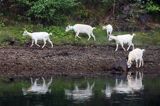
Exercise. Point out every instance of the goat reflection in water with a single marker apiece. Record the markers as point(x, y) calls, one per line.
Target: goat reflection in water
point(38, 88)
point(122, 87)
point(133, 84)
point(80, 94)
point(107, 91)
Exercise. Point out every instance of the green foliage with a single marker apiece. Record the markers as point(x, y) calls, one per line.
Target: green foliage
point(152, 7)
point(60, 12)
point(50, 11)
point(12, 88)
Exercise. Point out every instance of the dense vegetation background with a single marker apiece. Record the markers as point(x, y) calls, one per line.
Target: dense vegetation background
point(54, 15)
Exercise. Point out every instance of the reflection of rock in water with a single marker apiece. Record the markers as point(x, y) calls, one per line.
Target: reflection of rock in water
point(38, 88)
point(120, 65)
point(80, 94)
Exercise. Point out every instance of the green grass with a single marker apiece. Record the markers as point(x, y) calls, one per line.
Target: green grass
point(60, 37)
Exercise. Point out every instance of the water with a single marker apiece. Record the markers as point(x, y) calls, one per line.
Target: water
point(11, 93)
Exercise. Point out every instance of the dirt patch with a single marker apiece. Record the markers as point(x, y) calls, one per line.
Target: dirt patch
point(70, 60)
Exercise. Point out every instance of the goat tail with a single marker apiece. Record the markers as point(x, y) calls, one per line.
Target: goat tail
point(133, 34)
point(143, 50)
point(50, 33)
point(94, 27)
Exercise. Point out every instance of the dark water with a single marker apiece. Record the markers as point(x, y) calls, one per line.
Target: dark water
point(11, 94)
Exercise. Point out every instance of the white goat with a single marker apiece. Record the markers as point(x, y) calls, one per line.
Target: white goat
point(82, 28)
point(123, 39)
point(108, 28)
point(136, 55)
point(39, 36)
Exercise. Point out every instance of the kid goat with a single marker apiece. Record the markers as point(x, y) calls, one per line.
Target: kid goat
point(108, 28)
point(82, 28)
point(39, 36)
point(123, 39)
point(136, 55)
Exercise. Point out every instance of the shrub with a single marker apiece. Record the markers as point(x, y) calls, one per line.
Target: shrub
point(2, 24)
point(152, 7)
point(49, 11)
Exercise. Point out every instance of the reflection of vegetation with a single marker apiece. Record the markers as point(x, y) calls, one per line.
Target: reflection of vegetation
point(152, 85)
point(7, 88)
point(58, 85)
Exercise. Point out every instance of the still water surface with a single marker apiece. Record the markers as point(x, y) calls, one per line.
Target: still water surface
point(64, 92)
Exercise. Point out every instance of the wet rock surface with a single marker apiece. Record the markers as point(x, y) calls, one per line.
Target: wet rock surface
point(70, 60)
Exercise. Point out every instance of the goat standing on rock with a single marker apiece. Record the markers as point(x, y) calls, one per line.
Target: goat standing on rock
point(136, 55)
point(82, 28)
point(123, 39)
point(39, 36)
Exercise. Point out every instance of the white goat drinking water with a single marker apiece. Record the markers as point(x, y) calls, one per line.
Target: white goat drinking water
point(123, 39)
point(108, 28)
point(136, 55)
point(39, 36)
point(82, 28)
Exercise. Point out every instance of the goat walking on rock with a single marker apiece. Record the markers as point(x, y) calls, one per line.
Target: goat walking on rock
point(123, 39)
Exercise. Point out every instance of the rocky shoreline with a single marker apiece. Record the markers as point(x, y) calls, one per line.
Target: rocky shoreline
point(68, 60)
